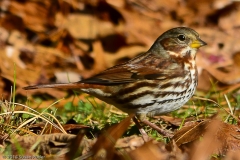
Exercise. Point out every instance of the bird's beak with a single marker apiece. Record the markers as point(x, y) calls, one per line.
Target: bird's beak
point(198, 43)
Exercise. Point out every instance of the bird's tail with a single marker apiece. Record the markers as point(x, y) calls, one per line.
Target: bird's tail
point(75, 85)
point(56, 85)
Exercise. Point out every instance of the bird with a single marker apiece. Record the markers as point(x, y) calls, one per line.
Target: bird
point(155, 82)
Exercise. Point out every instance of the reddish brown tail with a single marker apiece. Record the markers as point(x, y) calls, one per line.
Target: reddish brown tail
point(76, 85)
point(60, 85)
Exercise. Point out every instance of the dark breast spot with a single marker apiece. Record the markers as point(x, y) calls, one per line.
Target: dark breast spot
point(188, 54)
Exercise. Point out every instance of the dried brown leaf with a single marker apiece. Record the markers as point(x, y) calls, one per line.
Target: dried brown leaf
point(208, 137)
point(44, 144)
point(74, 146)
point(36, 16)
point(129, 143)
point(231, 77)
point(205, 81)
point(150, 150)
point(232, 155)
point(104, 147)
point(98, 54)
point(190, 133)
point(157, 151)
point(209, 144)
point(230, 19)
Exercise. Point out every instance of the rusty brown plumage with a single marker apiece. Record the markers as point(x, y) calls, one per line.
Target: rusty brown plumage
point(156, 82)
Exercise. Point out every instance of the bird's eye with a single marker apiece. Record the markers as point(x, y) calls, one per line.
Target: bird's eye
point(181, 37)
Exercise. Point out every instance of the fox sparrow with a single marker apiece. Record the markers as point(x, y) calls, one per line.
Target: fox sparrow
point(156, 82)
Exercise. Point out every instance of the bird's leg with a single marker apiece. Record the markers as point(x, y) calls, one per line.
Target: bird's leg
point(141, 130)
point(144, 120)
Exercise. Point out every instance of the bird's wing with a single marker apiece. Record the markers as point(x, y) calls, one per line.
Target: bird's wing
point(152, 67)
